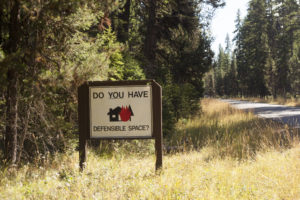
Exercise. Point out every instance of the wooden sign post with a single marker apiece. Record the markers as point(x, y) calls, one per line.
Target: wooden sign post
point(120, 110)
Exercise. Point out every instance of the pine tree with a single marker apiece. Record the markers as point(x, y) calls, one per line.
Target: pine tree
point(238, 26)
point(267, 48)
point(288, 11)
point(254, 47)
point(240, 52)
point(294, 60)
point(232, 77)
point(209, 83)
point(271, 67)
point(177, 52)
point(227, 63)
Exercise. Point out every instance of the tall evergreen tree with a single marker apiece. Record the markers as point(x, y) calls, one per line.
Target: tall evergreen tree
point(240, 52)
point(271, 64)
point(288, 23)
point(266, 49)
point(238, 26)
point(294, 59)
point(227, 63)
point(253, 54)
point(177, 53)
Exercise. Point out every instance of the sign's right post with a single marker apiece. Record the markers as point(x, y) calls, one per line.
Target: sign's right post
point(157, 123)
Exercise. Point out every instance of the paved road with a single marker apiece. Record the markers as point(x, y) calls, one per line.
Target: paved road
point(285, 114)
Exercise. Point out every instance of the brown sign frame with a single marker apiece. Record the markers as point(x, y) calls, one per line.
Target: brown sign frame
point(84, 116)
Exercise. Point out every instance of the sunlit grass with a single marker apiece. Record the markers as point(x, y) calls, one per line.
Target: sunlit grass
point(230, 132)
point(288, 101)
point(222, 166)
point(272, 175)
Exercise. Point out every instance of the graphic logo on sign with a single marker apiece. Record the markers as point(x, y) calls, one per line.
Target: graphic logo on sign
point(120, 114)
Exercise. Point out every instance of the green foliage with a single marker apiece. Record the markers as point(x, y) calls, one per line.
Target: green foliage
point(124, 67)
point(180, 101)
point(166, 39)
point(2, 70)
point(132, 69)
point(294, 64)
point(2, 56)
point(169, 112)
point(52, 47)
point(185, 51)
point(223, 82)
point(67, 49)
point(209, 84)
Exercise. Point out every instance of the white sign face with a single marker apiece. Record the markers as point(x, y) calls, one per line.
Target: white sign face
point(120, 111)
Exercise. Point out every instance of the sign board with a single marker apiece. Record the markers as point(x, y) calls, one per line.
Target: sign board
point(120, 110)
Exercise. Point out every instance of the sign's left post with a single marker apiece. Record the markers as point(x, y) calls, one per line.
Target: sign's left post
point(83, 119)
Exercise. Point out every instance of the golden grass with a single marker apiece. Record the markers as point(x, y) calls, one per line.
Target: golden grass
point(230, 132)
point(272, 175)
point(221, 169)
point(279, 100)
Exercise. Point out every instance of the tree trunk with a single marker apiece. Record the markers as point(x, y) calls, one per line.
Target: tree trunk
point(11, 134)
point(1, 21)
point(24, 134)
point(151, 38)
point(124, 17)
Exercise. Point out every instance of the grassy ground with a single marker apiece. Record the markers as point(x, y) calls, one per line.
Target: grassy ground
point(230, 132)
point(279, 100)
point(237, 157)
point(272, 175)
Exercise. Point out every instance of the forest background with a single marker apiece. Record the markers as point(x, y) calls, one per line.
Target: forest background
point(262, 60)
point(50, 47)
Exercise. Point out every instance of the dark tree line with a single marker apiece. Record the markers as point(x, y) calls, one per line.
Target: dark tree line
point(48, 48)
point(266, 57)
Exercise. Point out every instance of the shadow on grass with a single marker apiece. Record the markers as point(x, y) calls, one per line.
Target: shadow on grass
point(122, 148)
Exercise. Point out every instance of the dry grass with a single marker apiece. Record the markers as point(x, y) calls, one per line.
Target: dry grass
point(279, 100)
point(273, 175)
point(214, 171)
point(230, 132)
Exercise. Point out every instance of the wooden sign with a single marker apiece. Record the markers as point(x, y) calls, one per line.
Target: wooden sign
point(120, 110)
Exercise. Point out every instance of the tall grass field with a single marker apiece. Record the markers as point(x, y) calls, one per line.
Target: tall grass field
point(222, 153)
